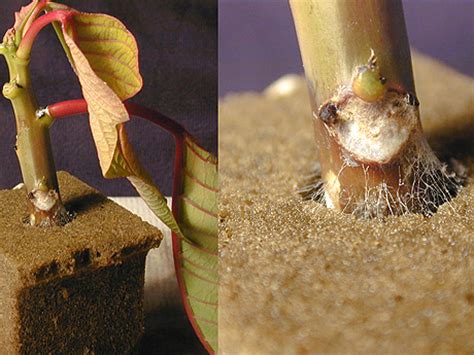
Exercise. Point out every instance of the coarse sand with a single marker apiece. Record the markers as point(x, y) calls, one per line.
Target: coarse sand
point(296, 277)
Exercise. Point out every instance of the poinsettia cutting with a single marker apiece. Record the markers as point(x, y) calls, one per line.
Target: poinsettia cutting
point(104, 56)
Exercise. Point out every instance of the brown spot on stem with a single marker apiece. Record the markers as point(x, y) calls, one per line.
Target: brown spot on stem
point(328, 113)
point(412, 99)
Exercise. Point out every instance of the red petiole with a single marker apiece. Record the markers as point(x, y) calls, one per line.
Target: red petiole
point(62, 16)
point(79, 106)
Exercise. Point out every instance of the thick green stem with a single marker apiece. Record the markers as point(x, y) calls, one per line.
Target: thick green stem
point(33, 146)
point(357, 63)
point(337, 36)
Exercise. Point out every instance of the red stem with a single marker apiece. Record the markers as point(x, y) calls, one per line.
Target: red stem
point(62, 16)
point(75, 107)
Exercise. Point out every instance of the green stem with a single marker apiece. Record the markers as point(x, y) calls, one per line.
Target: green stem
point(373, 154)
point(33, 146)
point(337, 36)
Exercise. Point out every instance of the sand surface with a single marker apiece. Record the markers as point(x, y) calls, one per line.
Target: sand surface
point(297, 277)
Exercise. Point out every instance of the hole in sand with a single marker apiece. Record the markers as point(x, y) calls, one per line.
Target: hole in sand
point(47, 271)
point(85, 203)
point(431, 189)
point(82, 258)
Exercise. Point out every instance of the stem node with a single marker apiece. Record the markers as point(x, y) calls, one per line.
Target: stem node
point(11, 90)
point(374, 158)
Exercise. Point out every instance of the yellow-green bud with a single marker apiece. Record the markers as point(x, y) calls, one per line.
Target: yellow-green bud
point(368, 84)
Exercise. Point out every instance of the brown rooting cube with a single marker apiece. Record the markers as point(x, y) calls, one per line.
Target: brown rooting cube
point(77, 288)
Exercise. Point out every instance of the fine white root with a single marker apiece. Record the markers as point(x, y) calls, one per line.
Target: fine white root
point(426, 183)
point(312, 186)
point(433, 184)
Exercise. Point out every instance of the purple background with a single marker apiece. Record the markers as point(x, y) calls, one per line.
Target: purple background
point(257, 39)
point(178, 59)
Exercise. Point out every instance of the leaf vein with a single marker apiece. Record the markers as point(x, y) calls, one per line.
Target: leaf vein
point(112, 58)
point(199, 182)
point(197, 247)
point(200, 277)
point(202, 301)
point(197, 206)
point(183, 257)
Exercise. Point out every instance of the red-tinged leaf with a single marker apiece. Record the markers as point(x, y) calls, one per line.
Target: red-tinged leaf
point(107, 78)
point(195, 207)
point(104, 83)
point(100, 47)
point(111, 51)
point(106, 110)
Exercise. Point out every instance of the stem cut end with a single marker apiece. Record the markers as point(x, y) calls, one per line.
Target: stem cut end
point(46, 209)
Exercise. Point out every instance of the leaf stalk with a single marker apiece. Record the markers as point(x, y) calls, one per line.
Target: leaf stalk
point(26, 44)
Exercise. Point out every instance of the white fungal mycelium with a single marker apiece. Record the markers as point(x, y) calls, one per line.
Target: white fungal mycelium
point(380, 135)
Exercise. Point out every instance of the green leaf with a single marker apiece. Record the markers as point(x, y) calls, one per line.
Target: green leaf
point(196, 255)
point(104, 57)
point(99, 45)
point(111, 51)
point(155, 201)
